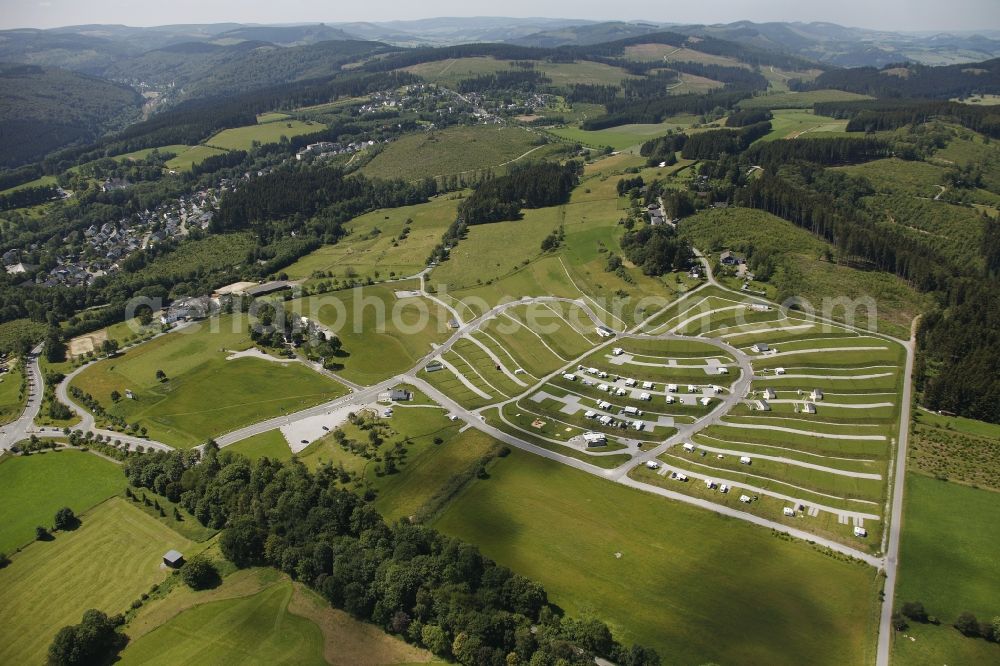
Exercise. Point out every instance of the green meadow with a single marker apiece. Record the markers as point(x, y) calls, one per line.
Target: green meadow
point(453, 150)
point(681, 580)
point(185, 160)
point(205, 394)
point(623, 136)
point(243, 138)
point(106, 563)
point(33, 488)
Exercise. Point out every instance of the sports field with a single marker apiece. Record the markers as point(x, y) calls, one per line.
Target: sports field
point(680, 582)
point(33, 488)
point(204, 394)
point(112, 558)
point(374, 244)
point(453, 150)
point(243, 138)
point(382, 335)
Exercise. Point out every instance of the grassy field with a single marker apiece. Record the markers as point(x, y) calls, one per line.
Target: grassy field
point(33, 488)
point(679, 585)
point(794, 124)
point(175, 148)
point(11, 399)
point(960, 450)
point(623, 136)
point(43, 181)
point(194, 155)
point(930, 645)
point(271, 444)
point(374, 246)
point(257, 616)
point(948, 549)
point(204, 395)
point(243, 138)
point(799, 100)
point(450, 151)
point(255, 629)
point(112, 558)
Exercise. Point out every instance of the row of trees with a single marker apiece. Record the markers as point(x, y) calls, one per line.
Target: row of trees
point(890, 114)
point(429, 589)
point(28, 196)
point(656, 250)
point(832, 151)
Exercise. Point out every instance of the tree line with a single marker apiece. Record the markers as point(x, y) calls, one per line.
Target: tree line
point(656, 250)
point(709, 145)
point(434, 591)
point(652, 111)
point(829, 151)
point(911, 80)
point(28, 196)
point(882, 115)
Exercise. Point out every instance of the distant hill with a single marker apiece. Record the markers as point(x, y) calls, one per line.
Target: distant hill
point(82, 53)
point(463, 30)
point(852, 47)
point(284, 36)
point(582, 35)
point(915, 80)
point(45, 108)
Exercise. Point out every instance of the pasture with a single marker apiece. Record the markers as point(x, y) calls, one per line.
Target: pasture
point(381, 335)
point(106, 563)
point(204, 394)
point(12, 400)
point(244, 138)
point(186, 159)
point(678, 584)
point(271, 444)
point(623, 136)
point(799, 124)
point(799, 100)
point(33, 488)
point(451, 151)
point(948, 551)
point(374, 248)
point(254, 606)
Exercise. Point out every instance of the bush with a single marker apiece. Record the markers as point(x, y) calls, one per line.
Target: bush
point(914, 610)
point(967, 624)
point(200, 573)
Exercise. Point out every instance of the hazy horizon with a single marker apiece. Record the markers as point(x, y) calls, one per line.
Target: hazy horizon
point(890, 15)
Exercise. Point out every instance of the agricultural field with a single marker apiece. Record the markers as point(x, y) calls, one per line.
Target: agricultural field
point(373, 247)
point(451, 151)
point(243, 138)
point(71, 573)
point(205, 394)
point(382, 335)
point(674, 586)
point(958, 450)
point(623, 136)
point(799, 100)
point(947, 562)
point(795, 124)
point(33, 488)
point(300, 627)
point(185, 160)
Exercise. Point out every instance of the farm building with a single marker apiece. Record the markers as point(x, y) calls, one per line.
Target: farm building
point(595, 439)
point(173, 559)
point(267, 288)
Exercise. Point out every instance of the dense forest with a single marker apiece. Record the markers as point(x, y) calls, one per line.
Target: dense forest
point(657, 250)
point(652, 111)
point(524, 186)
point(911, 80)
point(314, 201)
point(881, 115)
point(663, 149)
point(709, 145)
point(830, 151)
point(429, 589)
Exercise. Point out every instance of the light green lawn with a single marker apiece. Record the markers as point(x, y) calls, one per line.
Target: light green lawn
point(681, 582)
point(33, 488)
point(623, 136)
point(799, 100)
point(194, 155)
point(106, 563)
point(271, 444)
point(796, 124)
